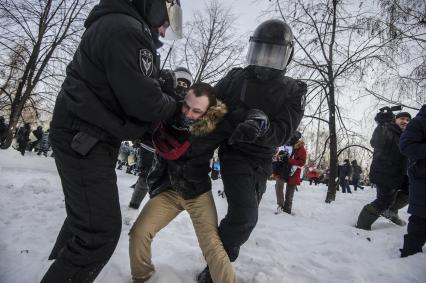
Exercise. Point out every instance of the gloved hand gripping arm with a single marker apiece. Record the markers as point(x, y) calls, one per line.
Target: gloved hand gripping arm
point(254, 126)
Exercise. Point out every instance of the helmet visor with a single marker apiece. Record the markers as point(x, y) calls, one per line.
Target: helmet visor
point(268, 55)
point(174, 12)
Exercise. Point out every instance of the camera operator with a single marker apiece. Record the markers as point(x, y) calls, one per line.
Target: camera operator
point(388, 169)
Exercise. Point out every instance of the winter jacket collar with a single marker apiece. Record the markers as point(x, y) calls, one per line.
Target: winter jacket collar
point(170, 147)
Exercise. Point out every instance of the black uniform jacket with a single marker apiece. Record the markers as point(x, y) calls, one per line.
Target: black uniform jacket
point(189, 175)
point(389, 165)
point(281, 99)
point(110, 90)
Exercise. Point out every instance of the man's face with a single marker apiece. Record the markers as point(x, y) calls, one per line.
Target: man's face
point(194, 107)
point(163, 28)
point(402, 122)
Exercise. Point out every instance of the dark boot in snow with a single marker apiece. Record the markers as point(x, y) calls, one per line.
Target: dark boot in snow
point(394, 217)
point(204, 276)
point(412, 245)
point(366, 218)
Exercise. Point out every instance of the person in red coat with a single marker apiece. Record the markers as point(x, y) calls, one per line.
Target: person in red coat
point(312, 174)
point(296, 160)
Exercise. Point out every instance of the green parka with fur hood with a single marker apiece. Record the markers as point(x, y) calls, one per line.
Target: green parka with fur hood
point(189, 175)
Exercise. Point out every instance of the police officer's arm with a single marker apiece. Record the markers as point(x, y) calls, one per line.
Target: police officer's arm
point(412, 142)
point(139, 95)
point(283, 125)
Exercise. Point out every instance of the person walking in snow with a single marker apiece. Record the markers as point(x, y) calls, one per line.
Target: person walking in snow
point(345, 172)
point(44, 144)
point(413, 145)
point(312, 174)
point(123, 154)
point(387, 171)
point(179, 180)
point(296, 160)
point(110, 94)
point(38, 134)
point(356, 175)
point(23, 137)
point(274, 106)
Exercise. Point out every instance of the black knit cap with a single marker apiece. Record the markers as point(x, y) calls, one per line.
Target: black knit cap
point(403, 114)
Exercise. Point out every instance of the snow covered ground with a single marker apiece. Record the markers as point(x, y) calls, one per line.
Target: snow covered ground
point(317, 244)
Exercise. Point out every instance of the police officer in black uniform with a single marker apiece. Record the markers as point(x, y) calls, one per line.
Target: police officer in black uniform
point(272, 107)
point(110, 94)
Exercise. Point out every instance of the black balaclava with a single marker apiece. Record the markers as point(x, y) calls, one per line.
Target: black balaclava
point(264, 73)
point(154, 12)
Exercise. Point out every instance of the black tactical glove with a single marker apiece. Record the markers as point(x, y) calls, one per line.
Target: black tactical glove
point(255, 125)
point(168, 82)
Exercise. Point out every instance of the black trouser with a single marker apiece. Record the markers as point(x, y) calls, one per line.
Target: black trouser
point(140, 190)
point(344, 184)
point(385, 197)
point(243, 193)
point(92, 227)
point(415, 237)
point(355, 183)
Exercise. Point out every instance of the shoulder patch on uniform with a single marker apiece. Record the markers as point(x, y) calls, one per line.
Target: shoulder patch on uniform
point(146, 62)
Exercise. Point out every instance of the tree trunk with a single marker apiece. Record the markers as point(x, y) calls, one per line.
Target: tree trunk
point(332, 184)
point(15, 113)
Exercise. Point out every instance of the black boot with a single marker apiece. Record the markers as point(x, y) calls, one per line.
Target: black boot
point(412, 245)
point(393, 216)
point(367, 216)
point(204, 276)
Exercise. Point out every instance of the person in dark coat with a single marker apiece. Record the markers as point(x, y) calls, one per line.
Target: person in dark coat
point(356, 175)
point(110, 94)
point(38, 133)
point(345, 172)
point(413, 145)
point(179, 180)
point(44, 144)
point(387, 171)
point(272, 106)
point(23, 137)
point(3, 130)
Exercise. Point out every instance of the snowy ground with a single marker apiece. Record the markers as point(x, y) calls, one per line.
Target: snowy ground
point(317, 244)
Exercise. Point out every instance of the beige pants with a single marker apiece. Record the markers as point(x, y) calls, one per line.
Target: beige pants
point(157, 213)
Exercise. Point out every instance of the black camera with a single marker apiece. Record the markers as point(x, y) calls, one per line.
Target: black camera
point(386, 115)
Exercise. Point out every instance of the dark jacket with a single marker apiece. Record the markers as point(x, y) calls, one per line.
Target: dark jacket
point(345, 170)
point(356, 171)
point(189, 175)
point(413, 145)
point(281, 99)
point(389, 165)
point(110, 90)
point(23, 134)
point(38, 133)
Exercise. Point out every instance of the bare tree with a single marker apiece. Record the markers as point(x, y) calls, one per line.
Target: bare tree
point(41, 34)
point(336, 47)
point(210, 47)
point(404, 78)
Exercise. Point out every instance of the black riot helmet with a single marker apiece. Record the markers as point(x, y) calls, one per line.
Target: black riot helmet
point(271, 45)
point(156, 12)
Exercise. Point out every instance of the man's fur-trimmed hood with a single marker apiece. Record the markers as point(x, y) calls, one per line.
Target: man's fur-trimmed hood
point(209, 121)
